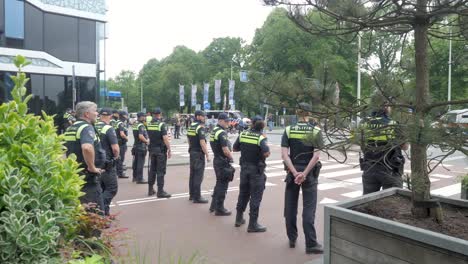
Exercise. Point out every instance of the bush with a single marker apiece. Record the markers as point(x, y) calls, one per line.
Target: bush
point(39, 188)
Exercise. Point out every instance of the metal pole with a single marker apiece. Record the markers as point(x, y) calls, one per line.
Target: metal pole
point(73, 88)
point(449, 98)
point(141, 94)
point(231, 69)
point(358, 119)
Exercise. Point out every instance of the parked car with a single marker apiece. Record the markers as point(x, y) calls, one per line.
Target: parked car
point(453, 120)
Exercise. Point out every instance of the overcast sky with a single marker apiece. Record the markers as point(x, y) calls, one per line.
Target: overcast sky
point(143, 29)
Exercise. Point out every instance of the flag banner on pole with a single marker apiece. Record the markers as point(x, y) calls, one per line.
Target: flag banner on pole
point(181, 95)
point(206, 92)
point(243, 76)
point(194, 94)
point(232, 84)
point(217, 91)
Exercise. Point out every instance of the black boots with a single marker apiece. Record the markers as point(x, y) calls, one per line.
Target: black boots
point(317, 249)
point(222, 212)
point(200, 200)
point(239, 219)
point(163, 194)
point(151, 190)
point(254, 226)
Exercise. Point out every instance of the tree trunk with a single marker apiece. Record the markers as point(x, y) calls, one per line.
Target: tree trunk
point(419, 173)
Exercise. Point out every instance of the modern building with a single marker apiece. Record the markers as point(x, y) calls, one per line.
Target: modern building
point(64, 40)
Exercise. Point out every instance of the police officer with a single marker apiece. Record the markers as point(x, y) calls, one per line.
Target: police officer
point(222, 158)
point(382, 145)
point(109, 143)
point(115, 118)
point(159, 151)
point(139, 149)
point(254, 150)
point(81, 139)
point(122, 138)
point(299, 150)
point(68, 119)
point(198, 152)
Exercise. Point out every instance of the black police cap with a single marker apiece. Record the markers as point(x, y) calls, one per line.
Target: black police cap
point(157, 111)
point(223, 116)
point(106, 111)
point(257, 118)
point(123, 113)
point(199, 113)
point(114, 111)
point(305, 107)
point(140, 114)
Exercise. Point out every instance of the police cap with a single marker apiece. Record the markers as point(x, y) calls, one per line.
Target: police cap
point(305, 107)
point(123, 113)
point(140, 114)
point(157, 111)
point(223, 116)
point(115, 111)
point(257, 118)
point(106, 111)
point(199, 113)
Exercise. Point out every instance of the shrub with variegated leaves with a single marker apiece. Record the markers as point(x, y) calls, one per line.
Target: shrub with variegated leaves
point(39, 187)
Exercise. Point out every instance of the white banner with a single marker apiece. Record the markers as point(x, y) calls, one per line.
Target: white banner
point(206, 92)
point(181, 95)
point(232, 85)
point(217, 92)
point(194, 94)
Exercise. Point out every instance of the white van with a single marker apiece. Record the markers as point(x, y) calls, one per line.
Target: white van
point(454, 119)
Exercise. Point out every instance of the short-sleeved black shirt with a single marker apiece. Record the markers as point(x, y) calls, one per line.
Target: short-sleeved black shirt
point(218, 140)
point(195, 133)
point(108, 138)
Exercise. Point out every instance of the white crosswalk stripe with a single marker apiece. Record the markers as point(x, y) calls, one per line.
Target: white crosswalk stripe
point(448, 190)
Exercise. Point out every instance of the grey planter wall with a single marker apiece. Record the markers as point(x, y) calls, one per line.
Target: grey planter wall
point(353, 238)
point(464, 193)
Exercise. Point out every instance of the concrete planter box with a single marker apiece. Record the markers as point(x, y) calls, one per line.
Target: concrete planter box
point(353, 238)
point(464, 193)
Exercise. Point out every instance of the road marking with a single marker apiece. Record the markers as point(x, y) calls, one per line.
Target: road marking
point(455, 158)
point(277, 167)
point(441, 176)
point(354, 180)
point(434, 179)
point(275, 174)
point(352, 194)
point(333, 185)
point(353, 163)
point(337, 166)
point(448, 190)
point(328, 201)
point(269, 184)
point(269, 162)
point(352, 154)
point(340, 173)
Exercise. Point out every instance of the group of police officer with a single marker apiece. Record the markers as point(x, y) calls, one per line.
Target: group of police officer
point(301, 144)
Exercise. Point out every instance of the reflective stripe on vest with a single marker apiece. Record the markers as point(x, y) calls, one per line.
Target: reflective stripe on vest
point(294, 133)
point(137, 126)
point(379, 131)
point(72, 136)
point(193, 129)
point(155, 126)
point(215, 134)
point(251, 139)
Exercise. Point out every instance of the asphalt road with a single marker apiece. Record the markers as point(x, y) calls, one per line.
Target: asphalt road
point(175, 228)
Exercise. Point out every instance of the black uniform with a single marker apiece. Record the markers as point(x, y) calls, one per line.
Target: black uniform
point(195, 133)
point(158, 153)
point(252, 145)
point(222, 167)
point(139, 151)
point(81, 132)
point(109, 177)
point(301, 153)
point(120, 127)
point(383, 160)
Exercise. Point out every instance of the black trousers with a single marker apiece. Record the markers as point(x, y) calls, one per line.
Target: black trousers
point(157, 168)
point(176, 131)
point(222, 182)
point(120, 162)
point(251, 187)
point(138, 164)
point(378, 176)
point(197, 169)
point(92, 191)
point(309, 200)
point(109, 187)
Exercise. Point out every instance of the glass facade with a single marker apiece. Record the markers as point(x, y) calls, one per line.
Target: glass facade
point(14, 19)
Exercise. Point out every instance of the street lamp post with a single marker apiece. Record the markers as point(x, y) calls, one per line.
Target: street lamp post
point(141, 94)
point(358, 119)
point(449, 97)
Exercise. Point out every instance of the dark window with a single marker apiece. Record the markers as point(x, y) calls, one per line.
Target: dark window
point(54, 93)
point(2, 22)
point(34, 28)
point(86, 89)
point(37, 92)
point(14, 19)
point(87, 41)
point(61, 36)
